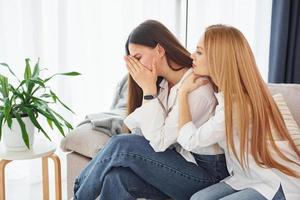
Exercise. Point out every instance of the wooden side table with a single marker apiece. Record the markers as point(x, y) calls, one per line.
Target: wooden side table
point(42, 148)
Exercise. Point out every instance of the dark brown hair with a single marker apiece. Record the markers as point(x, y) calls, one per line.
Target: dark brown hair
point(150, 33)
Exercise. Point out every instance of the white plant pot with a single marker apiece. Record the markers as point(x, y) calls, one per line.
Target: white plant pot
point(12, 138)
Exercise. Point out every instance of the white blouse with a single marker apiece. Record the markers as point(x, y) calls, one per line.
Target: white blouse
point(265, 181)
point(158, 118)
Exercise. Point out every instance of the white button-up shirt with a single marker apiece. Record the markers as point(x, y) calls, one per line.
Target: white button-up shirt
point(265, 181)
point(158, 118)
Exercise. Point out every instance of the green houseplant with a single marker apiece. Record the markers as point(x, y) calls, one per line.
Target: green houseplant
point(22, 105)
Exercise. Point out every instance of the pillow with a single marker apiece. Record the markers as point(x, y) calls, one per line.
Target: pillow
point(84, 140)
point(289, 121)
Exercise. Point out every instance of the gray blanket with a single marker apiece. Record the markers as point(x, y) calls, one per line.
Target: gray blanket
point(111, 122)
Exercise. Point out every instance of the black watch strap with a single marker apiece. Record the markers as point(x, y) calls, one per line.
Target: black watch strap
point(149, 97)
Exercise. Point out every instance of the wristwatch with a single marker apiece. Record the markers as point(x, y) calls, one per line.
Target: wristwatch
point(149, 97)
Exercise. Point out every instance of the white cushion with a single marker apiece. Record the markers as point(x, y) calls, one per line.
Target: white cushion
point(288, 119)
point(84, 140)
point(291, 94)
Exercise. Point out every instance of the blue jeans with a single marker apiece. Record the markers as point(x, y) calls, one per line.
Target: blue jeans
point(223, 191)
point(128, 168)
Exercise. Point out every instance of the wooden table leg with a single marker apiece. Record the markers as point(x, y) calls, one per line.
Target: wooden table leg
point(3, 163)
point(57, 165)
point(45, 178)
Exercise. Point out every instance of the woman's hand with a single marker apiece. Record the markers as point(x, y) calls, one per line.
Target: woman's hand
point(144, 77)
point(191, 83)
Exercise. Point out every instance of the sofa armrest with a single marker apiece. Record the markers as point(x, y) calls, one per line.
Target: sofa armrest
point(84, 140)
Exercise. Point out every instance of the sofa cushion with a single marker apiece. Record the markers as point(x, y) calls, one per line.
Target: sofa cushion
point(288, 119)
point(291, 95)
point(84, 140)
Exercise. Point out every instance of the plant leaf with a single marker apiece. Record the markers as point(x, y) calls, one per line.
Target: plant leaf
point(10, 70)
point(4, 86)
point(27, 73)
point(50, 123)
point(7, 112)
point(17, 93)
point(64, 105)
point(63, 74)
point(35, 122)
point(1, 122)
point(27, 77)
point(51, 118)
point(60, 117)
point(23, 129)
point(36, 70)
point(56, 122)
point(53, 95)
point(46, 96)
point(70, 74)
point(37, 81)
point(40, 101)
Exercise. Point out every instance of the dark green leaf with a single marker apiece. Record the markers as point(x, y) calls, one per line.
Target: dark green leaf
point(64, 74)
point(46, 96)
point(50, 118)
point(23, 129)
point(27, 76)
point(4, 86)
point(71, 74)
point(9, 121)
point(17, 93)
point(1, 122)
point(36, 70)
point(34, 121)
point(37, 81)
point(50, 123)
point(21, 84)
point(60, 117)
point(7, 110)
point(64, 105)
point(56, 122)
point(27, 73)
point(53, 95)
point(40, 101)
point(35, 90)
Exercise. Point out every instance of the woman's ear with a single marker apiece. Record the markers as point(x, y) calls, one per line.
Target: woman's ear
point(160, 50)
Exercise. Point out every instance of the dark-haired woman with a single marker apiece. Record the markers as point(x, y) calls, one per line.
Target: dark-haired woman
point(149, 163)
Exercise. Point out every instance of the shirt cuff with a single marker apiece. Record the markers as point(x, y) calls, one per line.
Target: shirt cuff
point(185, 135)
point(139, 117)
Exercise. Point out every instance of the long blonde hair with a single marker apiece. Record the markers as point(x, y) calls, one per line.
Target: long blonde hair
point(233, 68)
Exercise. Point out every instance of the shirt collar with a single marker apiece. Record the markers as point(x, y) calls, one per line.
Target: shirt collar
point(220, 97)
point(163, 84)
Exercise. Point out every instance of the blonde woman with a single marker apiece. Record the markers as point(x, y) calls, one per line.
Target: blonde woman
point(261, 157)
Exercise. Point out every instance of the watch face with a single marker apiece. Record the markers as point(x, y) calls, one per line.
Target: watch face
point(148, 97)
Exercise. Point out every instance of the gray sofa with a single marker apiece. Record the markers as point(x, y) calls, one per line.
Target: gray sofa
point(83, 143)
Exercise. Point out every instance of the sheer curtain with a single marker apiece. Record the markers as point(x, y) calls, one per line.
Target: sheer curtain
point(252, 17)
point(87, 36)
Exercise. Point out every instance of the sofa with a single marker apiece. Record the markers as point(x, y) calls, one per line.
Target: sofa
point(83, 142)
